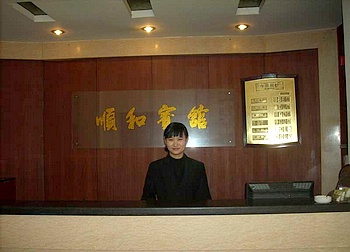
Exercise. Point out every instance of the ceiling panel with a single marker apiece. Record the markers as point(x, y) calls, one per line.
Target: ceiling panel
point(110, 19)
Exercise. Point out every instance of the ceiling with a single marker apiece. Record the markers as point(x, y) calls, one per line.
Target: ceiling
point(110, 19)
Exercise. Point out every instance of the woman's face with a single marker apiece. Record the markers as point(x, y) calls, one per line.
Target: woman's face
point(176, 146)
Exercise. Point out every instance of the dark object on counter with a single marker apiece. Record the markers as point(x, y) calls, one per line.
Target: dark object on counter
point(280, 190)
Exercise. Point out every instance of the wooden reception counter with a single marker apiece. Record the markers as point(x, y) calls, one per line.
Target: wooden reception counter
point(227, 225)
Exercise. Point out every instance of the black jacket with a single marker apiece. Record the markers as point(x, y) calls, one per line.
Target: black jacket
point(161, 183)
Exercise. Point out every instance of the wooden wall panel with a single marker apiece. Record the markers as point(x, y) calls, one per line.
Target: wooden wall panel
point(302, 162)
point(22, 126)
point(180, 72)
point(69, 174)
point(129, 73)
point(231, 168)
point(121, 171)
point(118, 174)
point(342, 93)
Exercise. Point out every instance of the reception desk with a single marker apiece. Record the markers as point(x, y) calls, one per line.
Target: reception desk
point(228, 225)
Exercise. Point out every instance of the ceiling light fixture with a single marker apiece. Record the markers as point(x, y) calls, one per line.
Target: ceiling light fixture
point(242, 27)
point(148, 28)
point(58, 32)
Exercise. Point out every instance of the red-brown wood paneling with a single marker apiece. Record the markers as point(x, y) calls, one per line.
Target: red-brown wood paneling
point(180, 72)
point(231, 167)
point(70, 174)
point(342, 93)
point(125, 73)
point(301, 162)
point(121, 171)
point(118, 174)
point(22, 126)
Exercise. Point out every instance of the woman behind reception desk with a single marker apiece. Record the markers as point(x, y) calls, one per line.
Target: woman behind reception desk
point(176, 177)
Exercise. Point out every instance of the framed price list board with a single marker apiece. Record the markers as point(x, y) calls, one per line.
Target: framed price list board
point(270, 110)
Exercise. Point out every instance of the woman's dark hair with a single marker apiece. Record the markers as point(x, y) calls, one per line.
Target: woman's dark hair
point(175, 129)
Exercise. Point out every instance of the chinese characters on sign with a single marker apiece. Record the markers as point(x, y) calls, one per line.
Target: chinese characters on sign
point(137, 118)
point(196, 118)
point(107, 120)
point(165, 115)
point(132, 119)
point(271, 116)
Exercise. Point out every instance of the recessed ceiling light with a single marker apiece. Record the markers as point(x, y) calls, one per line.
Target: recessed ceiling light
point(242, 27)
point(148, 28)
point(58, 32)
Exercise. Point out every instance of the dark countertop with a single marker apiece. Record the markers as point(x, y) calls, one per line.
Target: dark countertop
point(143, 208)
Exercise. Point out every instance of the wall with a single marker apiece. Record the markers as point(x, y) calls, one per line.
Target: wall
point(118, 174)
point(324, 41)
point(21, 149)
